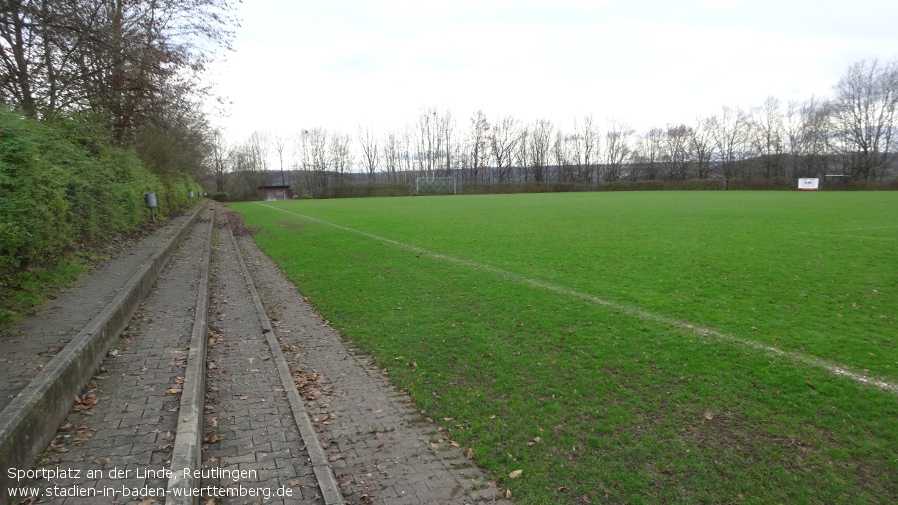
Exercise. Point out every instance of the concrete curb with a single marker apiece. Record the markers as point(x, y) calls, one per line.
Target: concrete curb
point(29, 422)
point(323, 472)
point(187, 453)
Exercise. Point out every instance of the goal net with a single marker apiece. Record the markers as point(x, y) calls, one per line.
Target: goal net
point(435, 186)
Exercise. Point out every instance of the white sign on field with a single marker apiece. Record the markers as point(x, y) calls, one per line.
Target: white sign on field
point(809, 184)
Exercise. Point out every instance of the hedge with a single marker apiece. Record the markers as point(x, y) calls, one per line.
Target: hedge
point(62, 184)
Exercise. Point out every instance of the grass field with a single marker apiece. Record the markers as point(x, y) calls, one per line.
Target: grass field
point(662, 347)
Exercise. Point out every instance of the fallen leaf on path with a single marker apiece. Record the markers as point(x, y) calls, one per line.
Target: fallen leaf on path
point(85, 402)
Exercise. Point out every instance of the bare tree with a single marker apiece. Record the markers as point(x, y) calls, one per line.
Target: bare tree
point(370, 151)
point(280, 145)
point(617, 149)
point(807, 131)
point(392, 155)
point(561, 157)
point(539, 145)
point(677, 152)
point(259, 147)
point(341, 156)
point(522, 154)
point(701, 144)
point(478, 140)
point(503, 142)
point(219, 159)
point(767, 137)
point(648, 155)
point(446, 132)
point(249, 162)
point(589, 136)
point(428, 142)
point(314, 157)
point(729, 132)
point(406, 152)
point(864, 115)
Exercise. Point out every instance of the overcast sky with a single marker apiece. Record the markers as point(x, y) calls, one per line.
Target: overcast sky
point(338, 64)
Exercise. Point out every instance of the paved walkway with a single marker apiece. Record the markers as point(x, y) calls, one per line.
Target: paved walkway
point(122, 426)
point(30, 344)
point(249, 425)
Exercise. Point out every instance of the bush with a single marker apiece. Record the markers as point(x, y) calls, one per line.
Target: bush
point(63, 184)
point(220, 196)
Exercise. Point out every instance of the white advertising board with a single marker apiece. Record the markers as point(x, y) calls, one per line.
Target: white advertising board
point(809, 184)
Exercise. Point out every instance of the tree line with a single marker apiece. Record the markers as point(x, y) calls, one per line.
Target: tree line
point(849, 133)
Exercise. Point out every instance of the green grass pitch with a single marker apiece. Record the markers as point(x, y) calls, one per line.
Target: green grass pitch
point(657, 347)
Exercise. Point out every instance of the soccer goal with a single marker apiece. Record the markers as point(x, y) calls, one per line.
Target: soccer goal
point(435, 186)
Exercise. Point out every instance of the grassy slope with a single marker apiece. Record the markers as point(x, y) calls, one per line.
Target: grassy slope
point(626, 408)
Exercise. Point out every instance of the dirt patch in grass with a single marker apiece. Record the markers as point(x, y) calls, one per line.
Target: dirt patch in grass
point(238, 227)
point(731, 432)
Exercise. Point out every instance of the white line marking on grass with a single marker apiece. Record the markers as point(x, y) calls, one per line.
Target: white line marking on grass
point(842, 235)
point(870, 228)
point(632, 311)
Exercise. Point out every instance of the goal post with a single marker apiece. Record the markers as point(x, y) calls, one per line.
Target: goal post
point(435, 186)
